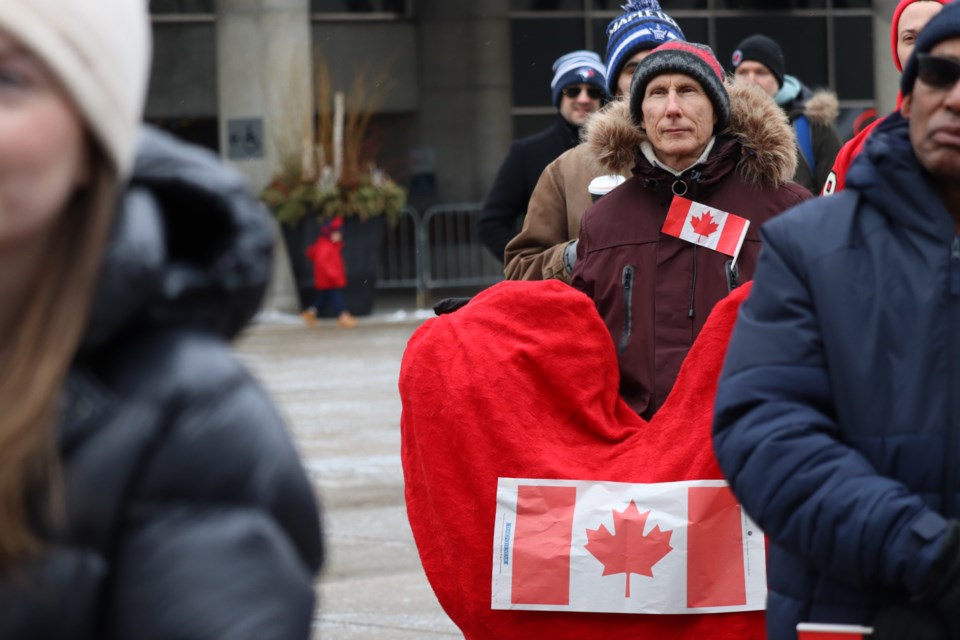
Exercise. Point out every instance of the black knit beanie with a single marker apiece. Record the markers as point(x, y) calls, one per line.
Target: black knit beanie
point(766, 51)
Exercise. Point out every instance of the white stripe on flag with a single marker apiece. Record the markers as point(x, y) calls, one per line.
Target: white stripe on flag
point(707, 219)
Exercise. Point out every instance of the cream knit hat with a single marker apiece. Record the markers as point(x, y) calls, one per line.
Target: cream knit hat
point(100, 51)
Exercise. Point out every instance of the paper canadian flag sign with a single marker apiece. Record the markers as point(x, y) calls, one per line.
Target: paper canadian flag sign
point(706, 226)
point(664, 548)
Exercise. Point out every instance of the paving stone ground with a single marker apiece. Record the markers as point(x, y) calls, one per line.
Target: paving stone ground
point(337, 389)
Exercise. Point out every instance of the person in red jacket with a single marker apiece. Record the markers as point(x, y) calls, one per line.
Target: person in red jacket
point(909, 18)
point(329, 276)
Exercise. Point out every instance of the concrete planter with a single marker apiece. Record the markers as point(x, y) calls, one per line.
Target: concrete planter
point(362, 243)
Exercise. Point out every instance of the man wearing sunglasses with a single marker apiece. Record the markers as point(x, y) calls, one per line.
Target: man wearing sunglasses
point(578, 90)
point(546, 246)
point(837, 418)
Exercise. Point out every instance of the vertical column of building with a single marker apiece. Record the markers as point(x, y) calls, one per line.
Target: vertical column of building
point(464, 63)
point(264, 88)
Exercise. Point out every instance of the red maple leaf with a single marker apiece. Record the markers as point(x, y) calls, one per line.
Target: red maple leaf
point(704, 225)
point(628, 550)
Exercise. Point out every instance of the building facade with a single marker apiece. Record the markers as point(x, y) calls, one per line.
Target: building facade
point(461, 78)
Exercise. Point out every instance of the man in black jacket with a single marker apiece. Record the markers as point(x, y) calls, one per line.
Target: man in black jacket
point(760, 60)
point(578, 88)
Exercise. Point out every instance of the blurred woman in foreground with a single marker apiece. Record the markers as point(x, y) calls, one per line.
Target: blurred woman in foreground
point(148, 488)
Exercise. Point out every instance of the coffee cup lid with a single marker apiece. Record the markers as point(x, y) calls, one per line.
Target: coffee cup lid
point(602, 185)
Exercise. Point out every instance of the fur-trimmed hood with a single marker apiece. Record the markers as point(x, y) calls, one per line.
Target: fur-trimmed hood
point(822, 108)
point(190, 247)
point(756, 122)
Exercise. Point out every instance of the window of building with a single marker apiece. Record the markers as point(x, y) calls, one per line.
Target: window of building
point(182, 6)
point(399, 7)
point(826, 43)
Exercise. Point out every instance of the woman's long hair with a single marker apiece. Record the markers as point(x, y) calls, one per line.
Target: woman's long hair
point(44, 339)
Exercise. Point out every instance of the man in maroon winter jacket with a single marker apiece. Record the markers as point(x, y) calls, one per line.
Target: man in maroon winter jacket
point(683, 132)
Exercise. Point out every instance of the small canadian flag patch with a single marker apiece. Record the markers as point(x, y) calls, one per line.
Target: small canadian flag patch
point(706, 226)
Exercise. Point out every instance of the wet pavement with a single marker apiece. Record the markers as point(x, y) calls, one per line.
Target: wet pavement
point(337, 389)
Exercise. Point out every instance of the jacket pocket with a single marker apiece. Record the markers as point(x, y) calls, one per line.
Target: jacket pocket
point(626, 281)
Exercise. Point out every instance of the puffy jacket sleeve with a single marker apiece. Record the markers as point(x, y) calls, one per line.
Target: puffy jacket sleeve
point(536, 253)
point(779, 444)
point(220, 537)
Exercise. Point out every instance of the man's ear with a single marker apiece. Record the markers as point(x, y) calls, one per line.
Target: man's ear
point(906, 105)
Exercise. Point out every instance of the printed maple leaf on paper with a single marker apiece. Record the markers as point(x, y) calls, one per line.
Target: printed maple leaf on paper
point(703, 225)
point(628, 550)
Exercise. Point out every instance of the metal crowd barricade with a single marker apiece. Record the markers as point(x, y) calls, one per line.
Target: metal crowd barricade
point(439, 249)
point(453, 253)
point(400, 258)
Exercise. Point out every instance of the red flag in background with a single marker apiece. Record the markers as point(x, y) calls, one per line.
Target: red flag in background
point(705, 226)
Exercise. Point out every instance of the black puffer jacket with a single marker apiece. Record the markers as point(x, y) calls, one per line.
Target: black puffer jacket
point(188, 513)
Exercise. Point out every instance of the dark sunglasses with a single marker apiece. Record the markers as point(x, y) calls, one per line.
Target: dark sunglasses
point(593, 92)
point(936, 72)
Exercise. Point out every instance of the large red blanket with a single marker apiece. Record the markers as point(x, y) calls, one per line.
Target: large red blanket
point(522, 382)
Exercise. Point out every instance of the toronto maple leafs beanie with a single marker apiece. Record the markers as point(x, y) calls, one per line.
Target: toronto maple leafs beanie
point(688, 58)
point(643, 26)
point(943, 26)
point(766, 51)
point(577, 67)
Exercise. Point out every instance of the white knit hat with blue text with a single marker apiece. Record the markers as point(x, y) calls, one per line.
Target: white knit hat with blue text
point(99, 50)
point(577, 67)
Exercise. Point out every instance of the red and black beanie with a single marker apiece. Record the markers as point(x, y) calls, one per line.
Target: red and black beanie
point(691, 59)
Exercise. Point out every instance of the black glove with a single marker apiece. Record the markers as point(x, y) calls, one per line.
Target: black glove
point(449, 305)
point(909, 622)
point(944, 582)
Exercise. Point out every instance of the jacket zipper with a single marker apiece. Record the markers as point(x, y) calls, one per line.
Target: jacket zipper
point(693, 282)
point(950, 455)
point(626, 280)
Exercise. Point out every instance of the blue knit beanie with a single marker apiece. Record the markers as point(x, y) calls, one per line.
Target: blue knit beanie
point(943, 26)
point(577, 67)
point(643, 26)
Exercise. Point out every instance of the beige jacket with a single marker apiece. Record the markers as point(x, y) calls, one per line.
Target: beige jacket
point(553, 217)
